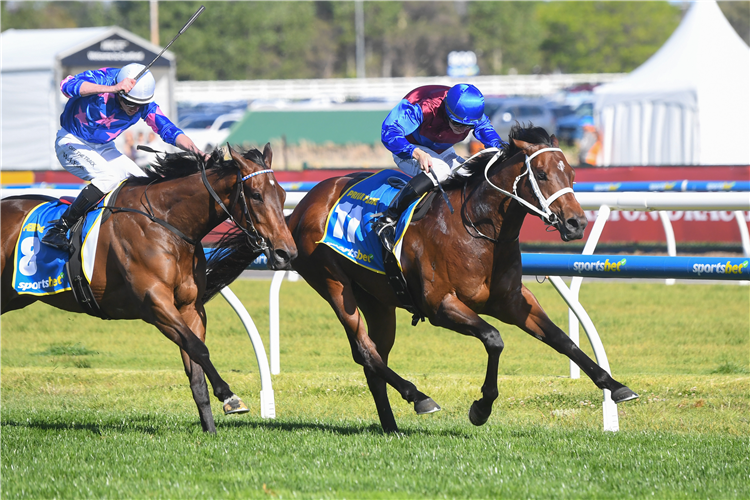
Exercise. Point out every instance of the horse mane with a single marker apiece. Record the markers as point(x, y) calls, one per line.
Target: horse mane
point(230, 257)
point(182, 164)
point(528, 133)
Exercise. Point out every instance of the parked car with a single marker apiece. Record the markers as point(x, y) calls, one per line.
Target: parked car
point(570, 128)
point(524, 111)
point(208, 132)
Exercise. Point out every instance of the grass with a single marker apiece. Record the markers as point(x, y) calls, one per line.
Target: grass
point(103, 409)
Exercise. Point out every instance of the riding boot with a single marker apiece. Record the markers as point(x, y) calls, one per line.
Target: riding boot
point(57, 235)
point(385, 225)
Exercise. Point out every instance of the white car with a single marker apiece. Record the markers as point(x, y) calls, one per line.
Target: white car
point(207, 134)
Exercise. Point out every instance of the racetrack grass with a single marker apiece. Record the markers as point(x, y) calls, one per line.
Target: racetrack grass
point(102, 409)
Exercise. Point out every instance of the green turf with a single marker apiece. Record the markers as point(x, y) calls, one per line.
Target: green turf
point(103, 409)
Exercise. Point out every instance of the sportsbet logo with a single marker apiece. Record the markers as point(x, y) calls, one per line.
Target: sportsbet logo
point(43, 284)
point(727, 268)
point(598, 266)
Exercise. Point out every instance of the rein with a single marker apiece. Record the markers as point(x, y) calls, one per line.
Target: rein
point(255, 239)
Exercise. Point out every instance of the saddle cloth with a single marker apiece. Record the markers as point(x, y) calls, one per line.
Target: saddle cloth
point(349, 224)
point(39, 269)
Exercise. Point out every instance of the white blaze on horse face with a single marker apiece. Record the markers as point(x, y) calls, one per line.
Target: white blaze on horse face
point(273, 182)
point(561, 166)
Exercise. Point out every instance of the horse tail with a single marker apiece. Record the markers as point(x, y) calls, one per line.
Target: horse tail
point(230, 257)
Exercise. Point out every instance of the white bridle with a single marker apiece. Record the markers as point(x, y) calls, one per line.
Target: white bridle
point(545, 213)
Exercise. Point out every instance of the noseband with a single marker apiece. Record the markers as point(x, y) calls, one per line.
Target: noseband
point(255, 239)
point(545, 213)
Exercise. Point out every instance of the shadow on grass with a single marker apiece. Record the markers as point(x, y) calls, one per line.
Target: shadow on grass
point(156, 425)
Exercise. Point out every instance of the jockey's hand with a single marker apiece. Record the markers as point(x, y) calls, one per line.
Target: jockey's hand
point(425, 160)
point(186, 144)
point(125, 86)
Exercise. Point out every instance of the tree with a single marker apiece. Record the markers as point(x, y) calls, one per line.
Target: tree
point(505, 36)
point(604, 37)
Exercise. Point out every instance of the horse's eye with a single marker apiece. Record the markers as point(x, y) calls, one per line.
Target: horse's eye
point(541, 175)
point(257, 196)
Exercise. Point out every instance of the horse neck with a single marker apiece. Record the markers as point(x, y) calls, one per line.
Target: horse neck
point(485, 203)
point(187, 205)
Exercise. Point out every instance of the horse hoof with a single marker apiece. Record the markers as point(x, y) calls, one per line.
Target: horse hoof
point(235, 405)
point(425, 406)
point(476, 416)
point(623, 394)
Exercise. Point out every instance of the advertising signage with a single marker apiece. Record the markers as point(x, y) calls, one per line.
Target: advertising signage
point(113, 51)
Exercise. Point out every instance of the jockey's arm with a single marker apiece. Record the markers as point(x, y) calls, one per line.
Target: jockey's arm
point(185, 143)
point(90, 88)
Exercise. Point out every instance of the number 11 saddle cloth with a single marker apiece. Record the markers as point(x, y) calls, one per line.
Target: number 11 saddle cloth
point(349, 224)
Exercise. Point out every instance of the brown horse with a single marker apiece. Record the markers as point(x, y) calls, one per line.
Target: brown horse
point(147, 270)
point(457, 266)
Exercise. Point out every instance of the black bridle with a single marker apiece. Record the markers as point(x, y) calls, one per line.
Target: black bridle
point(257, 242)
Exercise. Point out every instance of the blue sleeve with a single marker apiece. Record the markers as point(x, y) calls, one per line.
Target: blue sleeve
point(485, 133)
point(71, 86)
point(404, 119)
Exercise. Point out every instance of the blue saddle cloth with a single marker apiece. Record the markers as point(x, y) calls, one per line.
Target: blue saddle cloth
point(39, 269)
point(349, 224)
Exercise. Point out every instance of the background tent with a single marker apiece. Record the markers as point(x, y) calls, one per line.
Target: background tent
point(688, 104)
point(34, 62)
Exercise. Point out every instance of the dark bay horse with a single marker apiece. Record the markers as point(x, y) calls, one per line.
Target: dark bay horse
point(146, 270)
point(457, 266)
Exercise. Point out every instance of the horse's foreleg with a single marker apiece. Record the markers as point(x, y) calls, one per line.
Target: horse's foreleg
point(455, 315)
point(197, 323)
point(199, 388)
point(537, 323)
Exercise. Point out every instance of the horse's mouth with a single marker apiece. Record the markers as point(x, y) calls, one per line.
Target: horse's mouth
point(280, 259)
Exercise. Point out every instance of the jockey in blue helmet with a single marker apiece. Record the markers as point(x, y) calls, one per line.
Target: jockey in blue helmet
point(420, 132)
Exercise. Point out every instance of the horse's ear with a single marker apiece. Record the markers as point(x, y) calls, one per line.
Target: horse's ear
point(235, 156)
point(268, 154)
point(555, 142)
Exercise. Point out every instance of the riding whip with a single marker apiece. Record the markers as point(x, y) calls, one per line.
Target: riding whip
point(184, 28)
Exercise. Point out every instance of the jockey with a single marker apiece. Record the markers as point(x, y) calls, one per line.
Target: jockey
point(104, 103)
point(420, 132)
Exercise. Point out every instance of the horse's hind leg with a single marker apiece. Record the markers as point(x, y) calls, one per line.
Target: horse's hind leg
point(339, 294)
point(455, 315)
point(381, 325)
point(530, 317)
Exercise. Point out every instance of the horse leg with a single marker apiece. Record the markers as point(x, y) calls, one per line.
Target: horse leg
point(455, 315)
point(381, 325)
point(338, 291)
point(197, 323)
point(159, 310)
point(528, 315)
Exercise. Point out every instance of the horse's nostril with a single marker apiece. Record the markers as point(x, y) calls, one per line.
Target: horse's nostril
point(281, 256)
point(572, 223)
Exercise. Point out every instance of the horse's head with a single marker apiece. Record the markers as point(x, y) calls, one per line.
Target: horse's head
point(262, 207)
point(549, 185)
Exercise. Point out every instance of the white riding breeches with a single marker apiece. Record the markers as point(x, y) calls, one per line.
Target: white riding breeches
point(102, 164)
point(445, 165)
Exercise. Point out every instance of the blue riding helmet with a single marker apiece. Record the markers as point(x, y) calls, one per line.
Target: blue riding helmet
point(464, 104)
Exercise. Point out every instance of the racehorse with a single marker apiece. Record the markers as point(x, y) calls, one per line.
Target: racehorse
point(150, 263)
point(457, 266)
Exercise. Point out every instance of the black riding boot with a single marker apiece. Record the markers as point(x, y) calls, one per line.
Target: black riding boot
point(57, 235)
point(385, 225)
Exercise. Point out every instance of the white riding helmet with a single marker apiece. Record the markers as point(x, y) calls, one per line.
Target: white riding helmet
point(143, 92)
